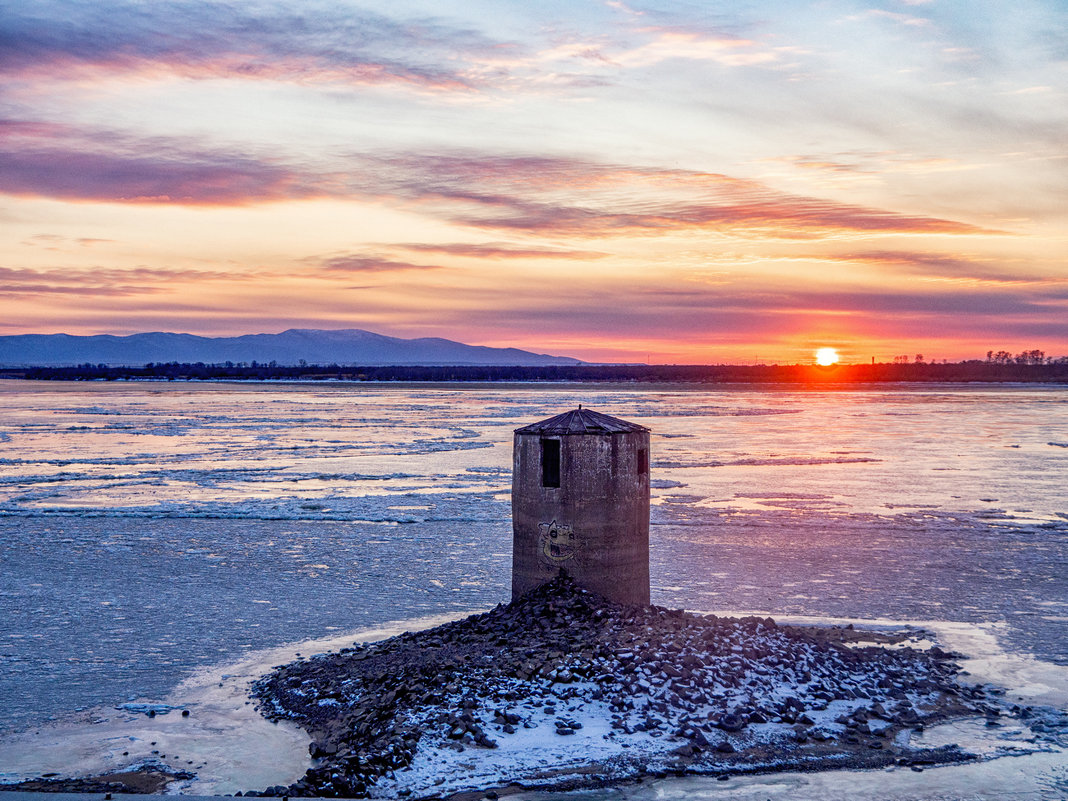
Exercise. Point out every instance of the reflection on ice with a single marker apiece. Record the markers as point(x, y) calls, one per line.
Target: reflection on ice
point(185, 445)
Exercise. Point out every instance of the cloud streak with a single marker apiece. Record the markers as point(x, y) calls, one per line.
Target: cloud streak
point(618, 317)
point(316, 42)
point(57, 161)
point(356, 263)
point(535, 195)
point(939, 266)
point(111, 282)
point(694, 311)
point(500, 251)
point(530, 195)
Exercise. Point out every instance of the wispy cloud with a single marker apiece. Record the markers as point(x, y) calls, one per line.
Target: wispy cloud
point(972, 269)
point(873, 163)
point(909, 20)
point(58, 242)
point(317, 42)
point(189, 180)
point(51, 160)
point(648, 46)
point(500, 251)
point(743, 312)
point(113, 282)
point(327, 44)
point(357, 263)
point(668, 44)
point(557, 196)
point(579, 198)
point(16, 288)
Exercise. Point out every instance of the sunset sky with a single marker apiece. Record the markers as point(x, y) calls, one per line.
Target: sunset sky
point(616, 181)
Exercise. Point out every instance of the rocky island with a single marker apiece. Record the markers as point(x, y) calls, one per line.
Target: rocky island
point(563, 689)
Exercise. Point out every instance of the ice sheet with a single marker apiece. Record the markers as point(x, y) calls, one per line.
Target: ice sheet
point(149, 530)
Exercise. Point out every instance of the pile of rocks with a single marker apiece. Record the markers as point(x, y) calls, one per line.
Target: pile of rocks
point(746, 692)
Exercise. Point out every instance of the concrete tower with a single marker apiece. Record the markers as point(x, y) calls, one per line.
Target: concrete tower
point(580, 502)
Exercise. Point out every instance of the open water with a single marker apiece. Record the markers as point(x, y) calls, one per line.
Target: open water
point(149, 529)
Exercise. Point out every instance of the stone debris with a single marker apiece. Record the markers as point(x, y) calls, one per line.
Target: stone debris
point(149, 709)
point(690, 693)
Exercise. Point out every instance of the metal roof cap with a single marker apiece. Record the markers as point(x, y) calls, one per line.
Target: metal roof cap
point(581, 421)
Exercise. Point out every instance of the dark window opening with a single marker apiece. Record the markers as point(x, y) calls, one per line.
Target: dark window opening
point(643, 461)
point(550, 463)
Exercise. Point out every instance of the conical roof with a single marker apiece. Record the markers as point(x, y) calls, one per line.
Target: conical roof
point(581, 421)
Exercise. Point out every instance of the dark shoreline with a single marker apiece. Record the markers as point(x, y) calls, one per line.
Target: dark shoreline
point(968, 372)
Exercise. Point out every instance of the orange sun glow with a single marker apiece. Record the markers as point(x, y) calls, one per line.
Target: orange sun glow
point(826, 357)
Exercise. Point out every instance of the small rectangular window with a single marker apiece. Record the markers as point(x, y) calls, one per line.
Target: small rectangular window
point(643, 461)
point(550, 463)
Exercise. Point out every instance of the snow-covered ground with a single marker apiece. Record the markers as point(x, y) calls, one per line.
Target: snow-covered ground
point(231, 747)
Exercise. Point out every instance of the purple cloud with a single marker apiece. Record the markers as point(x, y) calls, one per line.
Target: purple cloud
point(235, 40)
point(48, 160)
point(369, 264)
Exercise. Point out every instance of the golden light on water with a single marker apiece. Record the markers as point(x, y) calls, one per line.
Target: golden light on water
point(826, 357)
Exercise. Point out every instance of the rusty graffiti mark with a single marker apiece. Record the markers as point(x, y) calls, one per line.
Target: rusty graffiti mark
point(557, 542)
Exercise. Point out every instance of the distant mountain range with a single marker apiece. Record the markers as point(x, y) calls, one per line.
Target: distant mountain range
point(351, 346)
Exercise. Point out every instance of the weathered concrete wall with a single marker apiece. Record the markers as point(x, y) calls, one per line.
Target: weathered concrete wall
point(595, 525)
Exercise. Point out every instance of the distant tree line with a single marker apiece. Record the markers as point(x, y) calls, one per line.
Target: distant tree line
point(1025, 357)
point(1000, 357)
point(1030, 367)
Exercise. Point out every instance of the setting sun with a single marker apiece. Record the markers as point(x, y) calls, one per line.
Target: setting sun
point(826, 357)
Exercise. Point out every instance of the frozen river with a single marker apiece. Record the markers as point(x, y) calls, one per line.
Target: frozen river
point(147, 530)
